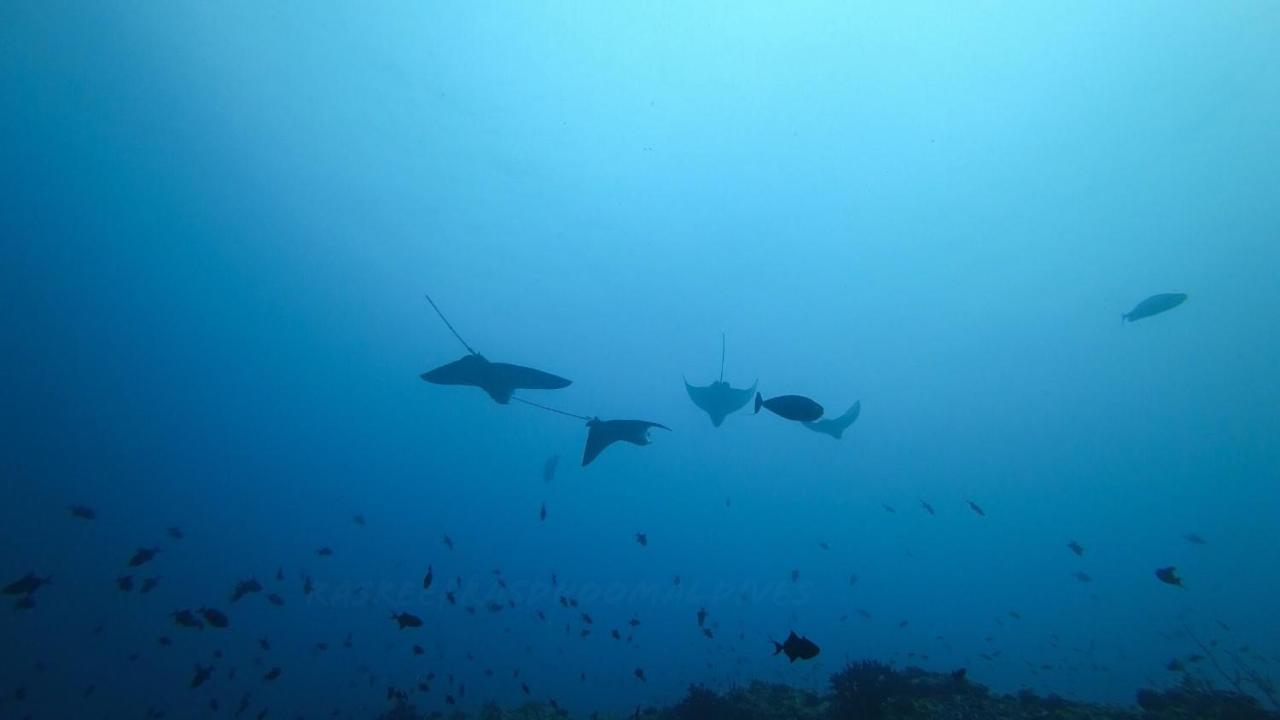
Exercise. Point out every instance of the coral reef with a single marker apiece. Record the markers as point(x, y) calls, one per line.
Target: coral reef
point(871, 690)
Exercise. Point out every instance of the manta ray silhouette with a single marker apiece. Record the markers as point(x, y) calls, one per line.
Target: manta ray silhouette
point(835, 427)
point(500, 380)
point(603, 433)
point(719, 399)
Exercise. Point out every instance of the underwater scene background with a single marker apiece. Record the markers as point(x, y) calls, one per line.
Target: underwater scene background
point(221, 219)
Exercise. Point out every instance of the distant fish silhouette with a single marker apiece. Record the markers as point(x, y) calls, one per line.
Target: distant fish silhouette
point(1154, 305)
point(549, 468)
point(835, 427)
point(719, 399)
point(1169, 576)
point(604, 433)
point(796, 648)
point(791, 407)
point(499, 380)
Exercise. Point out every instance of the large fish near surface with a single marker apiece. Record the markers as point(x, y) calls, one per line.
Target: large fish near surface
point(1154, 305)
point(791, 407)
point(497, 379)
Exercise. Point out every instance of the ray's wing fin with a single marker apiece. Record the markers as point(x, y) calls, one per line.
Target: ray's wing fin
point(520, 377)
point(464, 371)
point(599, 437)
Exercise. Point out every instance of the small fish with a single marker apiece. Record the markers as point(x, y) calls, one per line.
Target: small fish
point(702, 616)
point(325, 551)
point(796, 648)
point(616, 635)
point(824, 545)
point(448, 542)
point(1194, 539)
point(639, 673)
point(417, 650)
point(927, 507)
point(272, 674)
point(215, 618)
point(26, 585)
point(187, 619)
point(791, 407)
point(1082, 577)
point(143, 555)
point(542, 514)
point(642, 538)
point(264, 643)
point(974, 507)
point(1076, 547)
point(1154, 305)
point(358, 519)
point(710, 635)
point(549, 468)
point(201, 675)
point(125, 583)
point(1169, 576)
point(244, 587)
point(675, 580)
point(853, 579)
point(84, 512)
point(405, 620)
point(795, 576)
point(427, 579)
point(280, 573)
point(148, 584)
point(307, 586)
point(889, 509)
point(275, 599)
point(1175, 665)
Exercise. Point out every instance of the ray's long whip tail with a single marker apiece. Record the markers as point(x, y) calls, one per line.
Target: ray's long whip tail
point(450, 326)
point(548, 408)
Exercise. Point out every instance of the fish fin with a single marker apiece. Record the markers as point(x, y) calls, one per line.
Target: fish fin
point(759, 402)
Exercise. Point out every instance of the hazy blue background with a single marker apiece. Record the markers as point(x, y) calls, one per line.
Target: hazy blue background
point(218, 221)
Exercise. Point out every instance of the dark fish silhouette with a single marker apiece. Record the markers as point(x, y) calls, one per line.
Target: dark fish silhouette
point(448, 541)
point(1082, 577)
point(325, 551)
point(639, 673)
point(272, 674)
point(792, 407)
point(142, 556)
point(642, 538)
point(83, 512)
point(1169, 576)
point(26, 585)
point(201, 674)
point(244, 587)
point(927, 507)
point(187, 619)
point(796, 648)
point(1076, 547)
point(974, 507)
point(497, 379)
point(215, 618)
point(1194, 539)
point(405, 620)
point(125, 583)
point(1154, 305)
point(542, 513)
point(426, 579)
point(148, 585)
point(175, 532)
point(357, 519)
point(835, 427)
point(549, 468)
point(603, 433)
point(275, 599)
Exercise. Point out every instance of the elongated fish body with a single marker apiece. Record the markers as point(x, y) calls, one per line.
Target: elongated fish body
point(1155, 305)
point(791, 407)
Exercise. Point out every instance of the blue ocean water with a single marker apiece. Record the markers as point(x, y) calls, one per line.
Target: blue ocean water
point(220, 221)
